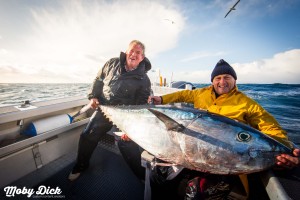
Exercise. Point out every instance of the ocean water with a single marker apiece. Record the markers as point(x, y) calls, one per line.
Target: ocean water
point(15, 93)
point(281, 100)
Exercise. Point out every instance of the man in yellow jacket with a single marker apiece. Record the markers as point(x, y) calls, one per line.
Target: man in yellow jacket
point(223, 97)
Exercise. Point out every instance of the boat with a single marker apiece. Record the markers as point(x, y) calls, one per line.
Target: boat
point(37, 165)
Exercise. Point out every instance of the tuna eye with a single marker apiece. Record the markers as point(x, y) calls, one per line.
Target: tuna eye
point(243, 137)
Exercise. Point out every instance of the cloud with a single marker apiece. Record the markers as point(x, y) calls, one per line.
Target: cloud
point(198, 55)
point(71, 41)
point(281, 68)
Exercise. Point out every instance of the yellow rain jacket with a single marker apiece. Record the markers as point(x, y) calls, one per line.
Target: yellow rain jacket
point(235, 105)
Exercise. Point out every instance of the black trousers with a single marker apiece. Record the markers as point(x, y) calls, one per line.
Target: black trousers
point(194, 185)
point(131, 153)
point(97, 127)
point(89, 138)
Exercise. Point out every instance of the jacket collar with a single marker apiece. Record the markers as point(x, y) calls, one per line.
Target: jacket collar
point(145, 63)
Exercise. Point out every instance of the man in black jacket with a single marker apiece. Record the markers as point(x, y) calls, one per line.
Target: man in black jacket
point(121, 81)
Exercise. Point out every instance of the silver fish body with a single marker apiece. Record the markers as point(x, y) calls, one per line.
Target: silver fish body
point(196, 139)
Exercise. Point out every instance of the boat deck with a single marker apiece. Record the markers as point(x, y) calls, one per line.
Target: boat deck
point(108, 177)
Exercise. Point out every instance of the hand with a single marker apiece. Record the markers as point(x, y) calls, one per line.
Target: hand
point(125, 137)
point(94, 103)
point(156, 100)
point(289, 161)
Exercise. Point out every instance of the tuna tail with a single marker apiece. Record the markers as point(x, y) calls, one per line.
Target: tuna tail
point(170, 123)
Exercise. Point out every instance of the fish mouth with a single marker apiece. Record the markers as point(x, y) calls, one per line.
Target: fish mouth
point(262, 153)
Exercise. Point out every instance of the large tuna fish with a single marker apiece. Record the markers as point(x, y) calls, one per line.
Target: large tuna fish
point(196, 139)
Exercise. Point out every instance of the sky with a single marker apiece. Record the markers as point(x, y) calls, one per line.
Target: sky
point(68, 41)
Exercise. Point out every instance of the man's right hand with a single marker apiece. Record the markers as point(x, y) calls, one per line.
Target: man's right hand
point(124, 137)
point(94, 103)
point(156, 100)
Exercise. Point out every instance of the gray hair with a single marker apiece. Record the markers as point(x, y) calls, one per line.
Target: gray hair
point(134, 42)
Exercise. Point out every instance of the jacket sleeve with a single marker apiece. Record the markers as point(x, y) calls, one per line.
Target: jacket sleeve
point(260, 119)
point(186, 96)
point(144, 92)
point(97, 87)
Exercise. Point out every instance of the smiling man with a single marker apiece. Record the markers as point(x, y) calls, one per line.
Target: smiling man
point(223, 78)
point(223, 97)
point(121, 81)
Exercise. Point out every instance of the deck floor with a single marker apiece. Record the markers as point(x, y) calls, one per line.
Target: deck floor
point(107, 178)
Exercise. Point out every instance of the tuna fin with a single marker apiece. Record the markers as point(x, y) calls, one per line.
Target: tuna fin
point(170, 123)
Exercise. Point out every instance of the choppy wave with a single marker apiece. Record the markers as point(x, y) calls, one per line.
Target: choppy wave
point(12, 94)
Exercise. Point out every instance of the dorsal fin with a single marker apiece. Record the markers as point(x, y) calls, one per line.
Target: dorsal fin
point(170, 123)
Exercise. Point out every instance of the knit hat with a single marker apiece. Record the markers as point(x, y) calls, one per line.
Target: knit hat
point(222, 67)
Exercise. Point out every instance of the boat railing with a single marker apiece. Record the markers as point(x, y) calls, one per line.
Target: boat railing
point(21, 154)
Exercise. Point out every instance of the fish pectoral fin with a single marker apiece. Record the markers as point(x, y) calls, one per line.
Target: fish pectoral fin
point(170, 123)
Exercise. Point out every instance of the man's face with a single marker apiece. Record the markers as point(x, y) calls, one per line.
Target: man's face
point(223, 83)
point(134, 55)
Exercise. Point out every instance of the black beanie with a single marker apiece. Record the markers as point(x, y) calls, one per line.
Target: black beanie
point(222, 67)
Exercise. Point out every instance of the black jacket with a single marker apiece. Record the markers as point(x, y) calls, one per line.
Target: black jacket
point(114, 86)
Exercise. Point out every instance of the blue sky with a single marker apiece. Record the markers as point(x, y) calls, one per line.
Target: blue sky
point(57, 41)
